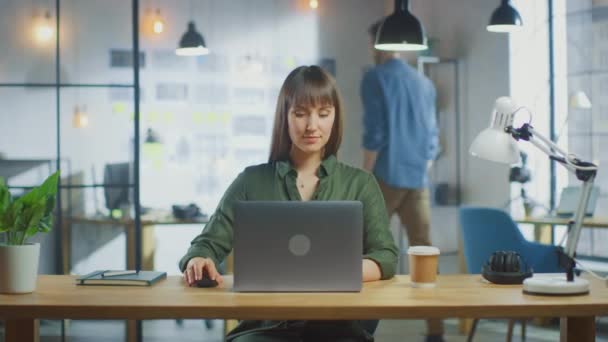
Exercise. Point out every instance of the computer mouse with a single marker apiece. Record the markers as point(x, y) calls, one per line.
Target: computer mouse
point(205, 281)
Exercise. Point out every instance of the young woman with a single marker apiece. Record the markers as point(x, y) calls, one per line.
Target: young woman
point(302, 166)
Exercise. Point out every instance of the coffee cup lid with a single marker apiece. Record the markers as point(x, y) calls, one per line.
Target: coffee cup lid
point(423, 250)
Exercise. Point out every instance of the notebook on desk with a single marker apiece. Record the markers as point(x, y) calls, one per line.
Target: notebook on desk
point(119, 278)
point(569, 199)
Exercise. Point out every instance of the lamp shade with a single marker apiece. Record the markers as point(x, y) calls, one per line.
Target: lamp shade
point(152, 137)
point(495, 143)
point(579, 100)
point(192, 43)
point(505, 18)
point(401, 31)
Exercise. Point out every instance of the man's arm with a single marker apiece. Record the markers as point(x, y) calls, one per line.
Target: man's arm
point(433, 129)
point(369, 159)
point(374, 121)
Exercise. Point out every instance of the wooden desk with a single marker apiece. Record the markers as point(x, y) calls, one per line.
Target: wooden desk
point(147, 236)
point(542, 225)
point(13, 167)
point(57, 297)
point(542, 233)
point(591, 222)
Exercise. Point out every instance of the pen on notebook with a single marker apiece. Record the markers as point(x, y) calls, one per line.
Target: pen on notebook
point(117, 273)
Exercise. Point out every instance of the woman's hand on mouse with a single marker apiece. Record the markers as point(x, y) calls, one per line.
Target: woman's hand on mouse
point(195, 268)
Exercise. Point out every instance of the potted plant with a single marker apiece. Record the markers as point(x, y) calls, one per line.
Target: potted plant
point(20, 219)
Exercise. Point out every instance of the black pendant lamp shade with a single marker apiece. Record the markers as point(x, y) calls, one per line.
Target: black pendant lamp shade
point(192, 43)
point(401, 31)
point(505, 18)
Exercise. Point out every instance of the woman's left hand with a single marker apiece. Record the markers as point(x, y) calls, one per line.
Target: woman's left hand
point(371, 270)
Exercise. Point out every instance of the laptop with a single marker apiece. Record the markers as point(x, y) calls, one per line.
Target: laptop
point(294, 246)
point(569, 199)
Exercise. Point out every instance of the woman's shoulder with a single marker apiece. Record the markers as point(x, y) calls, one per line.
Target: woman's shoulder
point(254, 176)
point(357, 183)
point(258, 169)
point(346, 170)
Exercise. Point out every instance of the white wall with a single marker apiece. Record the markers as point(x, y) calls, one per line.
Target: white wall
point(530, 88)
point(460, 26)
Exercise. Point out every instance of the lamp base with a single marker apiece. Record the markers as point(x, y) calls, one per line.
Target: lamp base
point(556, 285)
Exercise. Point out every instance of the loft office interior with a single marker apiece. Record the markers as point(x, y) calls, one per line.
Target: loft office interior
point(69, 102)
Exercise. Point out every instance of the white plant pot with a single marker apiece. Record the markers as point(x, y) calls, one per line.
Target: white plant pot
point(19, 268)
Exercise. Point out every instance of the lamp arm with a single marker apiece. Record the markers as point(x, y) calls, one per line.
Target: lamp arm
point(554, 152)
point(579, 215)
point(548, 142)
point(584, 172)
point(560, 158)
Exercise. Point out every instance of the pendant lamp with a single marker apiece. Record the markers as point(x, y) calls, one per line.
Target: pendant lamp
point(192, 43)
point(505, 18)
point(401, 31)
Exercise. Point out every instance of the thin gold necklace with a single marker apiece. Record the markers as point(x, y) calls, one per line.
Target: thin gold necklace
point(300, 183)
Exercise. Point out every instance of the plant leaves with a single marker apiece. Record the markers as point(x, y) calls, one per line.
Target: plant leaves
point(5, 196)
point(47, 188)
point(45, 224)
point(16, 216)
point(29, 214)
point(34, 214)
point(5, 201)
point(30, 231)
point(50, 205)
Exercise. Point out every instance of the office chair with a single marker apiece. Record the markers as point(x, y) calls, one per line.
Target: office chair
point(486, 230)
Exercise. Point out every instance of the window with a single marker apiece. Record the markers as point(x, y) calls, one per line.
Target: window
point(581, 39)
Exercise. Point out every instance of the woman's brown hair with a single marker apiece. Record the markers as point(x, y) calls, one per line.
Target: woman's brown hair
point(305, 86)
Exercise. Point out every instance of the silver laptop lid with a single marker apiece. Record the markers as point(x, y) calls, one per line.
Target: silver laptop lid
point(287, 246)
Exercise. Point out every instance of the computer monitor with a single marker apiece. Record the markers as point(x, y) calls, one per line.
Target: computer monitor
point(117, 185)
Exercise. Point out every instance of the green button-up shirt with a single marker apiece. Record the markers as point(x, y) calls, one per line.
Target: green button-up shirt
point(277, 182)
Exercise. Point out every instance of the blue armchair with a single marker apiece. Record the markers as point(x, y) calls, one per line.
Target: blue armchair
point(486, 230)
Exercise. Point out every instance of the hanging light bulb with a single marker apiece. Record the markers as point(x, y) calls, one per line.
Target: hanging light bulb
point(158, 24)
point(80, 118)
point(43, 31)
point(314, 4)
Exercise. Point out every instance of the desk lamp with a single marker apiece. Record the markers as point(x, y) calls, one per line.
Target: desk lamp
point(498, 143)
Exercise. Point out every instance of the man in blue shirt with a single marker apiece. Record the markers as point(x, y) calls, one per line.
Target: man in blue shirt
point(399, 143)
